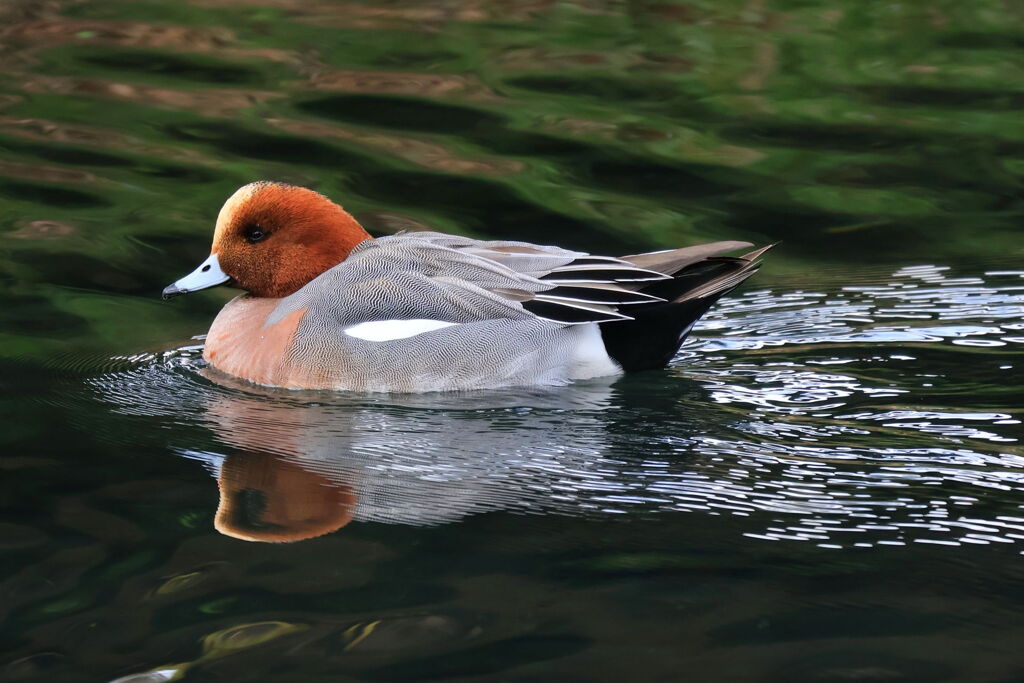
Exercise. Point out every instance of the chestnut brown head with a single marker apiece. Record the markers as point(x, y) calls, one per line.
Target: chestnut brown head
point(271, 239)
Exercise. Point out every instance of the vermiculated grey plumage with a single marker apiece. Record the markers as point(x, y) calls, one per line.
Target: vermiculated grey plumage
point(521, 313)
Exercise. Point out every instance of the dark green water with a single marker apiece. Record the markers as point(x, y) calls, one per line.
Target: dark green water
point(827, 485)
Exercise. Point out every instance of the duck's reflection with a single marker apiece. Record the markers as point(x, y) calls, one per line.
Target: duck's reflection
point(296, 468)
point(296, 465)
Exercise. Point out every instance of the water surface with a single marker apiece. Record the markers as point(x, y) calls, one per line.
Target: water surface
point(826, 485)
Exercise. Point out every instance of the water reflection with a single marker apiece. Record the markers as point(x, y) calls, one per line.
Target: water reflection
point(301, 469)
point(821, 446)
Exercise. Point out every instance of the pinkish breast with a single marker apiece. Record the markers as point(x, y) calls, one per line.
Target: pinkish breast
point(240, 343)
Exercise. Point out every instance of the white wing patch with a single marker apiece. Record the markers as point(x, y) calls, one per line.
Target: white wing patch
point(387, 330)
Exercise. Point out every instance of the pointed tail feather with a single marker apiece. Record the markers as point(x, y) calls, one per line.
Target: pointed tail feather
point(671, 261)
point(657, 330)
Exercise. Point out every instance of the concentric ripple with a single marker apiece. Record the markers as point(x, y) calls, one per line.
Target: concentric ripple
point(843, 442)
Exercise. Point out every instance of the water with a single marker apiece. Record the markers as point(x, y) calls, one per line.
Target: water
point(826, 485)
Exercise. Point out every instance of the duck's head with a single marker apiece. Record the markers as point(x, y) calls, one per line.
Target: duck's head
point(271, 239)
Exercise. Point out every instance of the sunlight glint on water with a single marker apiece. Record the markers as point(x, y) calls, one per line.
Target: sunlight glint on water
point(816, 447)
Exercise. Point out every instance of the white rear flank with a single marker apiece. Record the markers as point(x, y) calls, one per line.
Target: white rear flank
point(592, 359)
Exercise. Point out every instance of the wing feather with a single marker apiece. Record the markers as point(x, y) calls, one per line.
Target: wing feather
point(427, 275)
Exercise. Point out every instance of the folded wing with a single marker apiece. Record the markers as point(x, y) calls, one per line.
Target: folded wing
point(434, 276)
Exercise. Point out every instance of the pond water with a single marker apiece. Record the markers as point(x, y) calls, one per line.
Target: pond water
point(826, 485)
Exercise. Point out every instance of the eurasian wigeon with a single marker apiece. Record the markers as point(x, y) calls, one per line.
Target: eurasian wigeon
point(327, 306)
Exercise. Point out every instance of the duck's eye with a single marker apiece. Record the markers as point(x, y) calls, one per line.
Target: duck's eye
point(254, 234)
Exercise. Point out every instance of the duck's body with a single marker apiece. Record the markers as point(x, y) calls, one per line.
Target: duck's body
point(432, 312)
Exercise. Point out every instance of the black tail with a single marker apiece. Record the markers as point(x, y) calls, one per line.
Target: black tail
point(653, 336)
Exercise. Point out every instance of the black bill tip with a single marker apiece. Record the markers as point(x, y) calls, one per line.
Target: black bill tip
point(171, 291)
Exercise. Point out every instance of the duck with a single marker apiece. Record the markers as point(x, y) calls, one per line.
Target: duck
point(326, 306)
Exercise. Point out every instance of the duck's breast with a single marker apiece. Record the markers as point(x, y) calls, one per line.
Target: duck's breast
point(247, 342)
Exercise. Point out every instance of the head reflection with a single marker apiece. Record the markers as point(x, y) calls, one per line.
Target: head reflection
point(265, 497)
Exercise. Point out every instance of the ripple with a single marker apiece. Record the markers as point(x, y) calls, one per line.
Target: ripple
point(858, 449)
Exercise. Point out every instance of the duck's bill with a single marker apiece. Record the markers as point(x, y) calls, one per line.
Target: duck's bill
point(208, 274)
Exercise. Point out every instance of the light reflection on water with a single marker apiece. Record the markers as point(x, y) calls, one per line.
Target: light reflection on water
point(845, 405)
point(821, 447)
